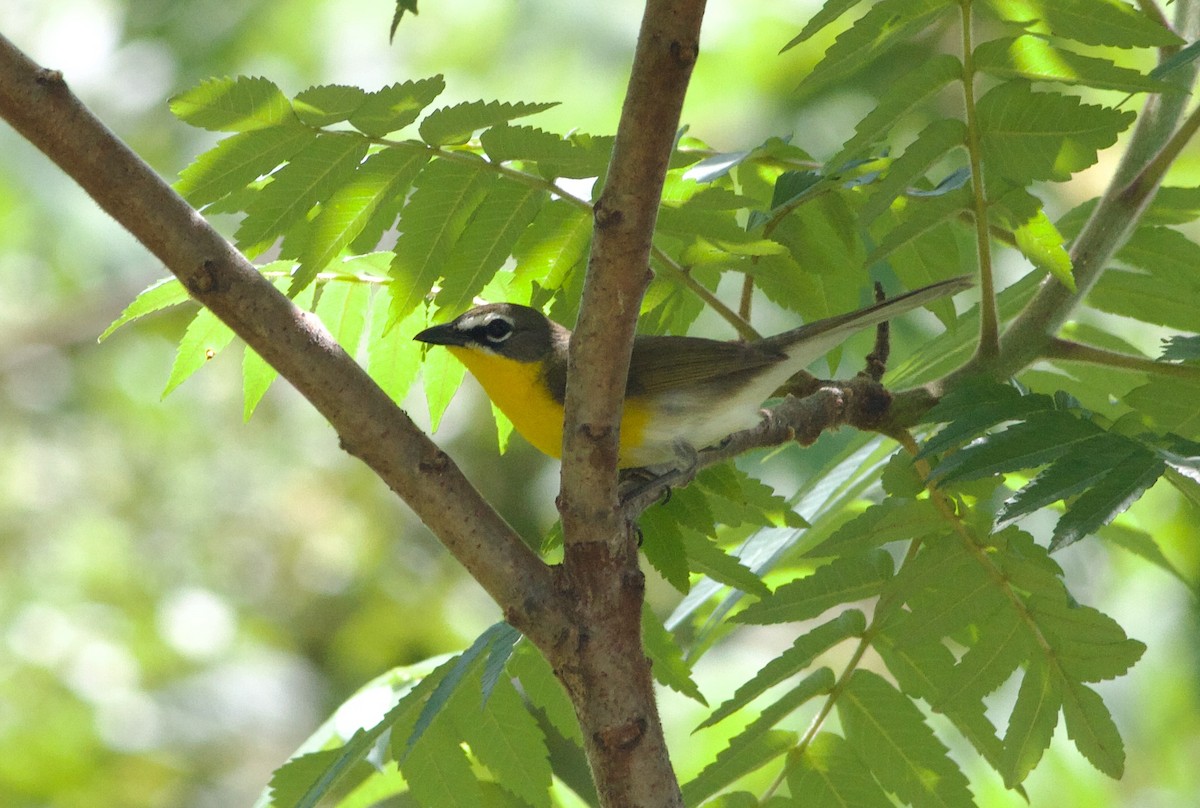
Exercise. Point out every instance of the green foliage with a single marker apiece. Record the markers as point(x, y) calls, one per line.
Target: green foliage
point(919, 562)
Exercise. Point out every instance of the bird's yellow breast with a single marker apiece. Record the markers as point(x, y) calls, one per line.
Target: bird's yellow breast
point(519, 389)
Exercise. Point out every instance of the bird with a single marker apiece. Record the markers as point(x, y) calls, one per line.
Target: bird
point(682, 393)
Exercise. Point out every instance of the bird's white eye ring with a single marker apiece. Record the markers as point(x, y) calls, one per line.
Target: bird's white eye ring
point(498, 329)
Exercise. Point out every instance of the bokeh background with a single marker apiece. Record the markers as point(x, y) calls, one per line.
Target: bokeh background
point(184, 596)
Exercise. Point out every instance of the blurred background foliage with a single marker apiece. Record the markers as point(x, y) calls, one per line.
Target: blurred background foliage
point(184, 597)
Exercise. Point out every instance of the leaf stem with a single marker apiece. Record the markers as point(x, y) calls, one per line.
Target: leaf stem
point(1076, 352)
point(989, 321)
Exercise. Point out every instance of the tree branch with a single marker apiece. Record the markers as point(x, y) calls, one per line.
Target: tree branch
point(38, 104)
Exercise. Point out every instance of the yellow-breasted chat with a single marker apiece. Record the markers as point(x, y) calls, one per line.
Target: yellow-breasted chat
point(682, 393)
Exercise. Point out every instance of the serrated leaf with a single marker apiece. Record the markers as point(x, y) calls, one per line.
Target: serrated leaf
point(487, 242)
point(999, 649)
point(312, 175)
point(894, 519)
point(975, 406)
point(1170, 403)
point(667, 662)
point(554, 244)
point(257, 377)
point(1034, 58)
point(662, 544)
point(909, 91)
point(889, 733)
point(734, 762)
point(1090, 725)
point(555, 156)
point(327, 104)
point(342, 308)
point(884, 26)
point(545, 691)
point(819, 682)
point(239, 104)
point(707, 558)
point(1041, 438)
point(799, 656)
point(394, 107)
point(202, 341)
point(931, 145)
point(1082, 465)
point(1027, 135)
point(946, 589)
point(1180, 349)
point(451, 126)
point(1105, 22)
point(442, 375)
point(844, 580)
point(1031, 724)
point(920, 217)
point(238, 160)
point(438, 772)
point(504, 737)
point(1163, 292)
point(157, 296)
point(1088, 646)
point(1108, 498)
point(830, 11)
point(446, 196)
point(828, 774)
point(303, 781)
point(1036, 236)
point(379, 184)
point(393, 358)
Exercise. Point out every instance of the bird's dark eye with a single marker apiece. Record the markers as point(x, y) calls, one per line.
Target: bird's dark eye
point(498, 330)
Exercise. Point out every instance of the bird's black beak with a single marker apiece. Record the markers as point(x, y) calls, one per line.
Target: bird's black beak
point(445, 334)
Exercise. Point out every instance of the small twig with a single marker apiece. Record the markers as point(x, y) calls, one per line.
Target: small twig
point(1075, 352)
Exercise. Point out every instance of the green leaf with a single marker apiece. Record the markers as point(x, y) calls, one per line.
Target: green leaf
point(946, 589)
point(1031, 724)
point(257, 377)
point(544, 691)
point(1104, 22)
point(736, 761)
point(906, 93)
point(885, 25)
point(438, 772)
point(203, 340)
point(1170, 403)
point(555, 156)
point(342, 308)
point(402, 6)
point(707, 558)
point(305, 780)
point(554, 245)
point(800, 655)
point(487, 242)
point(1090, 725)
point(1083, 465)
point(1033, 58)
point(667, 662)
point(1001, 646)
point(441, 376)
point(1088, 646)
point(1036, 236)
point(157, 296)
point(394, 107)
point(828, 774)
point(446, 197)
point(1181, 349)
point(1109, 498)
point(844, 580)
point(1027, 135)
point(238, 160)
point(976, 406)
point(919, 218)
point(828, 14)
point(662, 545)
point(327, 104)
point(504, 737)
point(312, 175)
point(894, 519)
point(1163, 293)
point(376, 191)
point(890, 735)
point(930, 146)
point(233, 105)
point(819, 682)
point(1038, 440)
point(393, 358)
point(454, 125)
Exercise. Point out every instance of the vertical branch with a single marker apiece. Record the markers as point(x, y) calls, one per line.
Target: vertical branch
point(989, 320)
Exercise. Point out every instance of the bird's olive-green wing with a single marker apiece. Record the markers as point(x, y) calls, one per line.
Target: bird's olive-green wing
point(664, 364)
